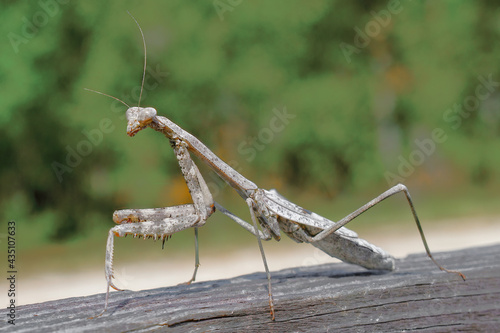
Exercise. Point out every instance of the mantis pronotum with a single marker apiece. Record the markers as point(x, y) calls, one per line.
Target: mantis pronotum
point(270, 210)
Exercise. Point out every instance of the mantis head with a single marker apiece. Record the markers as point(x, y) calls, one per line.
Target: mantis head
point(138, 118)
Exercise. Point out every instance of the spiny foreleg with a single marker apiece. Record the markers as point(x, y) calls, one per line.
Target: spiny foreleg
point(157, 223)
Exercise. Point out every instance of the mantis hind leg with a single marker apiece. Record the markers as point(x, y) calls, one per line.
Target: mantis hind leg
point(393, 190)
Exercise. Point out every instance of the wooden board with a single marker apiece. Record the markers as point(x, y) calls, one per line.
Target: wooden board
point(324, 298)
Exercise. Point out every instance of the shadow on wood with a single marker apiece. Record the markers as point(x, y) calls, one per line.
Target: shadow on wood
point(326, 298)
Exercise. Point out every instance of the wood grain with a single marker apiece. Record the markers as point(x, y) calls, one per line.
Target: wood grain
point(324, 298)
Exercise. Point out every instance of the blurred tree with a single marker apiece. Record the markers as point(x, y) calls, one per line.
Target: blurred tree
point(330, 96)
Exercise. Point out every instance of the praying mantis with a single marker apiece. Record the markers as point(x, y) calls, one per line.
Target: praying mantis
point(270, 210)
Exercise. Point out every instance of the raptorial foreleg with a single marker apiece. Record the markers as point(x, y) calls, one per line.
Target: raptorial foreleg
point(157, 223)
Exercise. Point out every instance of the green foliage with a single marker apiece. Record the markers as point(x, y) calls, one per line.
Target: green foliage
point(352, 116)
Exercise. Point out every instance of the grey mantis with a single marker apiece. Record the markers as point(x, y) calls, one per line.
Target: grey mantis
point(267, 208)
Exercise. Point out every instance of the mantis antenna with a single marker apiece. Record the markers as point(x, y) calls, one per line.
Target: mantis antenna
point(143, 71)
point(101, 93)
point(145, 57)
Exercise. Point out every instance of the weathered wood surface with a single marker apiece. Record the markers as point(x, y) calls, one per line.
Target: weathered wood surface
point(325, 298)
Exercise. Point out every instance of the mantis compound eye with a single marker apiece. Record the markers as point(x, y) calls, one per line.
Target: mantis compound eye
point(142, 115)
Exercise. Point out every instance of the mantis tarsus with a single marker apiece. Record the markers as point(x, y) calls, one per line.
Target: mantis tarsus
point(270, 210)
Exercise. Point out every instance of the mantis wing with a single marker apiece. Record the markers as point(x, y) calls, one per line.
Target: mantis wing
point(343, 244)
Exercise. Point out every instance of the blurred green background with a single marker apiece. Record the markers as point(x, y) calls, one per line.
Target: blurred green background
point(330, 102)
